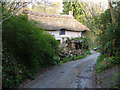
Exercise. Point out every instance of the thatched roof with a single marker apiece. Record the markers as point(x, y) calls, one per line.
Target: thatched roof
point(56, 22)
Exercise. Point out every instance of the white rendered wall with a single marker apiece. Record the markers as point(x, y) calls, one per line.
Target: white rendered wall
point(72, 34)
point(69, 34)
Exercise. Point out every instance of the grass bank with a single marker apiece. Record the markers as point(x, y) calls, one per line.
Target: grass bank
point(108, 73)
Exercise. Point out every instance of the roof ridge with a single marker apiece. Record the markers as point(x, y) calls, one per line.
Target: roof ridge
point(56, 22)
point(49, 14)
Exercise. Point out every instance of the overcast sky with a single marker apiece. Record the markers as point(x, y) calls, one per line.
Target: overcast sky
point(104, 3)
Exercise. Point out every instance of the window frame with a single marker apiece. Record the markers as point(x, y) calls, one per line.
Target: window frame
point(62, 31)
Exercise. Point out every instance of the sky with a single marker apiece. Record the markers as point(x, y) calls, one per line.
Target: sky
point(104, 3)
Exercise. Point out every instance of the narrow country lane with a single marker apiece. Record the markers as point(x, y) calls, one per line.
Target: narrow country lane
point(75, 74)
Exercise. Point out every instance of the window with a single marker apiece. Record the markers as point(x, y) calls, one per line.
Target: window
point(62, 32)
point(66, 41)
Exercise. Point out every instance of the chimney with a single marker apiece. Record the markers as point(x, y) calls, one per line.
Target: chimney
point(71, 13)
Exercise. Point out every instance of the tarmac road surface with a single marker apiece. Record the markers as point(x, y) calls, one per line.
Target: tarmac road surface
point(74, 74)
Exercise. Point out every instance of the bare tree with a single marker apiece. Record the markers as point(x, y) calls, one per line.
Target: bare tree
point(12, 7)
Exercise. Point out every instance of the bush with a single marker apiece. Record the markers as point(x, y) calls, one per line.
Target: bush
point(13, 72)
point(87, 52)
point(109, 40)
point(85, 43)
point(104, 63)
point(79, 57)
point(26, 48)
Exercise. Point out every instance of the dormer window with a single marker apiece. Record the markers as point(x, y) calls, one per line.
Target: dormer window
point(62, 32)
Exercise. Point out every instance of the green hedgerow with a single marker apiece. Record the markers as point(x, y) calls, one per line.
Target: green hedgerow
point(26, 49)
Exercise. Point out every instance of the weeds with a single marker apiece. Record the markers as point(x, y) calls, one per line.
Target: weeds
point(104, 63)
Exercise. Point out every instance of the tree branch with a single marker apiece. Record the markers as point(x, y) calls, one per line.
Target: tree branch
point(20, 7)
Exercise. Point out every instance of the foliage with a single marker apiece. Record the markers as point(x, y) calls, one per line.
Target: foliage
point(87, 52)
point(85, 42)
point(13, 72)
point(104, 63)
point(12, 8)
point(79, 57)
point(74, 6)
point(109, 40)
point(26, 49)
point(87, 14)
point(77, 38)
point(73, 58)
point(47, 7)
point(116, 86)
point(114, 77)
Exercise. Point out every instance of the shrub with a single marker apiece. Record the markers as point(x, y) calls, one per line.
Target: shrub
point(79, 57)
point(87, 52)
point(104, 63)
point(85, 43)
point(26, 48)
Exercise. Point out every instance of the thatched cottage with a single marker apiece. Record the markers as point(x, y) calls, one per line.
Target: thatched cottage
point(62, 27)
